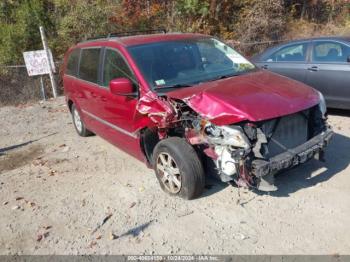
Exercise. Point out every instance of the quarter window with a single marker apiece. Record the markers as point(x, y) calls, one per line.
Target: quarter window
point(291, 53)
point(89, 64)
point(72, 64)
point(330, 52)
point(115, 67)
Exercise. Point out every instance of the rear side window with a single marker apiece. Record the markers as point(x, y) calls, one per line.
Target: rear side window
point(291, 53)
point(72, 64)
point(115, 67)
point(89, 64)
point(330, 52)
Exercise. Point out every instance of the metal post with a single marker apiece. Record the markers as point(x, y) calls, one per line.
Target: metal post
point(42, 88)
point(46, 48)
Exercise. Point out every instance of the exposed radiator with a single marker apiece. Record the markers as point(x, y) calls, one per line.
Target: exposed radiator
point(285, 133)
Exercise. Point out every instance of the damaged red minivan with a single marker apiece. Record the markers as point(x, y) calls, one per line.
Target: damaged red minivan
point(188, 103)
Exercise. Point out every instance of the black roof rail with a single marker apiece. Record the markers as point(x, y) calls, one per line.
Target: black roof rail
point(129, 33)
point(96, 37)
point(138, 32)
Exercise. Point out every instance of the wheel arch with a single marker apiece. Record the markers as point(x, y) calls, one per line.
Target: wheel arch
point(149, 140)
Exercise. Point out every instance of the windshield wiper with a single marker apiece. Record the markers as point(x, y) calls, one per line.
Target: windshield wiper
point(223, 77)
point(171, 86)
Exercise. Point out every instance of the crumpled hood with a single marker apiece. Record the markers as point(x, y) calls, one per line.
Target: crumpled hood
point(254, 96)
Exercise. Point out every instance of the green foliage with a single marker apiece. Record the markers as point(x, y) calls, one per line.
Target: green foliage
point(79, 21)
point(69, 21)
point(19, 29)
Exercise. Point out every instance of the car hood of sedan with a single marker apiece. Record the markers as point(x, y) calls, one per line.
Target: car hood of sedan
point(254, 96)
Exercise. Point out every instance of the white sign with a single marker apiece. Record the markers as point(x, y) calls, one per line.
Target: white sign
point(36, 62)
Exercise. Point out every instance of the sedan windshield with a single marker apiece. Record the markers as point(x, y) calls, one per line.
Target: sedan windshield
point(184, 63)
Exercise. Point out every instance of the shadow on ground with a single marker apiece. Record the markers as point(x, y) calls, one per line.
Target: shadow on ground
point(337, 160)
point(5, 149)
point(136, 230)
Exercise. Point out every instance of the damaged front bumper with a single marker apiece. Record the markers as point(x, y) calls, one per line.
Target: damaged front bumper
point(264, 170)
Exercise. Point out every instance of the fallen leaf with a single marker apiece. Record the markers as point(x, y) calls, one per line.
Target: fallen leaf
point(5, 203)
point(47, 227)
point(132, 204)
point(112, 236)
point(19, 198)
point(29, 203)
point(141, 189)
point(15, 207)
point(39, 237)
point(92, 244)
point(65, 149)
point(52, 172)
point(62, 145)
point(99, 237)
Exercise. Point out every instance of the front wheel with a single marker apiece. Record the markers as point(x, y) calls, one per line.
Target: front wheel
point(178, 168)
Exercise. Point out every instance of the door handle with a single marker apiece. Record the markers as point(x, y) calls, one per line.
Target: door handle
point(313, 68)
point(265, 67)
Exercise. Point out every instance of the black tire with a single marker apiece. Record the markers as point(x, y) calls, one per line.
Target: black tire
point(81, 130)
point(186, 160)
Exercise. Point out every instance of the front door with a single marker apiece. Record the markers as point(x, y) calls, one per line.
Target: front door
point(329, 72)
point(290, 61)
point(116, 113)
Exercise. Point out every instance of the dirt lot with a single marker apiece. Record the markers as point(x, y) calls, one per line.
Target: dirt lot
point(56, 188)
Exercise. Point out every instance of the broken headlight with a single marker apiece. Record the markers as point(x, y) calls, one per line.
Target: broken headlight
point(226, 135)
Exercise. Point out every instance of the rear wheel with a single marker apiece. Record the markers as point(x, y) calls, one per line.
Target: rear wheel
point(178, 168)
point(78, 123)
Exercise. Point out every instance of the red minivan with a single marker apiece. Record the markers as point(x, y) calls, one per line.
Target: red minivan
point(188, 103)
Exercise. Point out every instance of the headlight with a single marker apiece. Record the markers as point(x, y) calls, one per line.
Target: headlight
point(227, 135)
point(322, 104)
point(234, 136)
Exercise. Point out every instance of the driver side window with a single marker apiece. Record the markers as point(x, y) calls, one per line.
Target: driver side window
point(290, 53)
point(115, 67)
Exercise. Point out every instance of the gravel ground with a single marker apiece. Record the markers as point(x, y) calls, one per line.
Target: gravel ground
point(57, 188)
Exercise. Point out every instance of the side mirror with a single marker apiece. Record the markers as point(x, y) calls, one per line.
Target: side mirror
point(348, 59)
point(122, 87)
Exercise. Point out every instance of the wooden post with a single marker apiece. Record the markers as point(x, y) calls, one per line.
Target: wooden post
point(46, 48)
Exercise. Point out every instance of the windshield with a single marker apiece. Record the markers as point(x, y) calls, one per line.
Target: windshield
point(187, 62)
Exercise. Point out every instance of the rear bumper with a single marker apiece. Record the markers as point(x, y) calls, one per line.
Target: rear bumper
point(292, 157)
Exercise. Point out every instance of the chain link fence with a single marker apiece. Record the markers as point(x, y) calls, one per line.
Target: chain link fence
point(17, 87)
